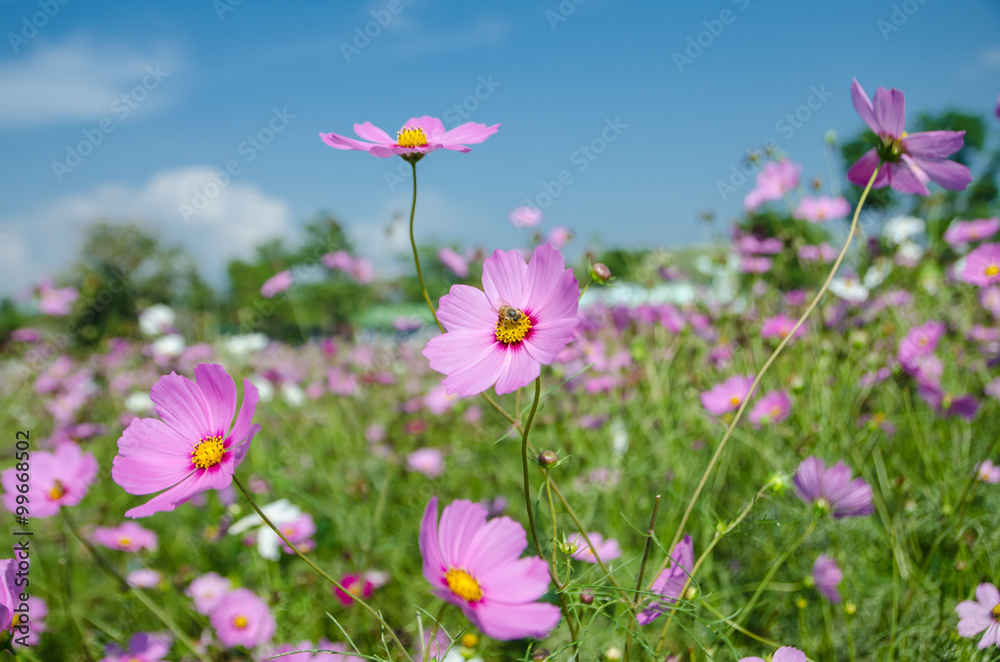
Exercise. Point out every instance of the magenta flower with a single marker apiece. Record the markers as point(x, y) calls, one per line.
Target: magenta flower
point(920, 341)
point(753, 264)
point(783, 654)
point(526, 216)
point(963, 232)
point(458, 264)
point(822, 208)
point(910, 160)
point(142, 647)
point(772, 407)
point(474, 564)
point(207, 590)
point(9, 591)
point(824, 252)
point(357, 586)
point(419, 136)
point(775, 180)
point(981, 614)
point(55, 301)
point(56, 479)
point(832, 490)
point(127, 537)
point(606, 550)
point(946, 404)
point(982, 266)
point(780, 326)
point(522, 318)
point(727, 396)
point(827, 576)
point(428, 461)
point(299, 532)
point(669, 584)
point(559, 236)
point(988, 472)
point(751, 244)
point(196, 447)
point(242, 619)
point(279, 282)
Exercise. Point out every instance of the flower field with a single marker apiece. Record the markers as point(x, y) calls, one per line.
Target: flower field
point(780, 446)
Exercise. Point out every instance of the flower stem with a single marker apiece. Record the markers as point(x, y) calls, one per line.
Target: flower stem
point(642, 570)
point(371, 610)
point(125, 586)
point(524, 466)
point(416, 256)
point(767, 364)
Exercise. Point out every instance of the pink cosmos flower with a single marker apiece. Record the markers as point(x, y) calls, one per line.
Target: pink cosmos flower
point(780, 326)
point(142, 647)
point(56, 479)
point(458, 264)
point(946, 404)
point(55, 301)
point(144, 578)
point(824, 252)
point(279, 282)
point(963, 232)
point(671, 581)
point(127, 537)
point(474, 564)
point(982, 266)
point(428, 461)
point(775, 180)
point(9, 592)
point(35, 626)
point(909, 160)
point(242, 619)
point(783, 654)
point(988, 472)
point(751, 244)
point(832, 489)
point(526, 216)
point(772, 407)
point(752, 264)
point(207, 590)
point(606, 550)
point(727, 396)
point(822, 208)
point(419, 136)
point(195, 448)
point(559, 236)
point(920, 341)
point(523, 317)
point(299, 532)
point(981, 614)
point(357, 586)
point(827, 575)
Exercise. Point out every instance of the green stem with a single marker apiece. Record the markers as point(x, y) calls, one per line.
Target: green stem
point(650, 532)
point(371, 610)
point(767, 364)
point(416, 256)
point(524, 466)
point(125, 586)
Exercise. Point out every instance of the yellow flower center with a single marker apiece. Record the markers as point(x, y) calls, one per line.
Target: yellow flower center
point(57, 491)
point(734, 401)
point(996, 611)
point(239, 622)
point(512, 326)
point(470, 640)
point(463, 585)
point(208, 453)
point(775, 411)
point(411, 137)
point(992, 270)
point(124, 542)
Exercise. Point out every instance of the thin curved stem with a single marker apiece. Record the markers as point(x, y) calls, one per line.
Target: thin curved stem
point(524, 466)
point(125, 586)
point(416, 256)
point(767, 364)
point(371, 610)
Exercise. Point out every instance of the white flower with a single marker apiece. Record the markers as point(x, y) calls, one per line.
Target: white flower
point(139, 402)
point(268, 543)
point(619, 437)
point(849, 288)
point(265, 389)
point(877, 273)
point(156, 320)
point(241, 346)
point(900, 228)
point(909, 253)
point(293, 394)
point(169, 346)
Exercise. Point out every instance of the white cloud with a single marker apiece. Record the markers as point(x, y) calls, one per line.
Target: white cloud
point(237, 219)
point(78, 81)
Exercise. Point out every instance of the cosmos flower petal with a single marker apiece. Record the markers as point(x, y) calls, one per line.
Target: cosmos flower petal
point(907, 177)
point(503, 279)
point(460, 522)
point(519, 370)
point(988, 595)
point(196, 483)
point(890, 111)
point(220, 394)
point(515, 621)
point(370, 132)
point(434, 564)
point(242, 427)
point(862, 170)
point(480, 374)
point(343, 142)
point(949, 174)
point(500, 541)
point(469, 133)
point(182, 406)
point(863, 106)
point(462, 348)
point(240, 450)
point(933, 144)
point(546, 268)
point(466, 307)
point(991, 637)
point(974, 619)
point(788, 654)
point(549, 338)
point(518, 580)
point(432, 127)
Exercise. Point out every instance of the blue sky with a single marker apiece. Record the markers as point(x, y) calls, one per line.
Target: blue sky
point(168, 94)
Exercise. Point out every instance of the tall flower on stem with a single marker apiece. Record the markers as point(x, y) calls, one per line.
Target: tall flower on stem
point(832, 490)
point(980, 614)
point(196, 447)
point(909, 160)
point(523, 317)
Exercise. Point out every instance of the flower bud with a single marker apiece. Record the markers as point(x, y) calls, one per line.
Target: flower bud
point(540, 654)
point(600, 272)
point(586, 597)
point(547, 459)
